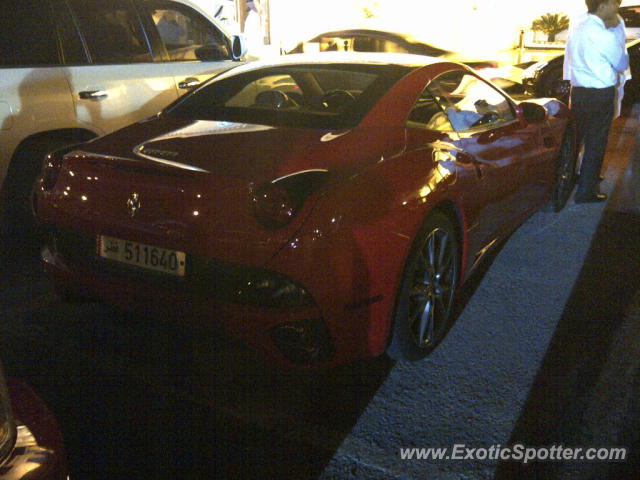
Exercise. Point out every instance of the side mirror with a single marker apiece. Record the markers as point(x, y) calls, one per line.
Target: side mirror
point(530, 112)
point(238, 47)
point(211, 53)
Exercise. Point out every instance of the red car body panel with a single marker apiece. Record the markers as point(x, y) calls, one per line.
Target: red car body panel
point(349, 243)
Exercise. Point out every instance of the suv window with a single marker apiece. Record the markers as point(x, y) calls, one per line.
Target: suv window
point(112, 32)
point(186, 34)
point(72, 51)
point(22, 22)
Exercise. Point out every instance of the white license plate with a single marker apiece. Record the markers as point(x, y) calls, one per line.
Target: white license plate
point(142, 255)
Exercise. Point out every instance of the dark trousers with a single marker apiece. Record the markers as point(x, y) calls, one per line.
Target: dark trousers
point(593, 111)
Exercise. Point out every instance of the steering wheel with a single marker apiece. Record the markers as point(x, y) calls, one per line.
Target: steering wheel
point(273, 99)
point(336, 100)
point(489, 117)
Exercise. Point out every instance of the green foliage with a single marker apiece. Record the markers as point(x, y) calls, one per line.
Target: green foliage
point(551, 24)
point(371, 9)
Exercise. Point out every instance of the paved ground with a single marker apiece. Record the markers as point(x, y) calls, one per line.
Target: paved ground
point(545, 350)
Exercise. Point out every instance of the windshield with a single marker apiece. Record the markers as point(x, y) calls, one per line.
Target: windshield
point(327, 96)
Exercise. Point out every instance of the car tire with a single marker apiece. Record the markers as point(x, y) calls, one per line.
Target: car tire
point(565, 174)
point(425, 299)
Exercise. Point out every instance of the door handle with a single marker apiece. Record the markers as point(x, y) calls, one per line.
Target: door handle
point(189, 82)
point(93, 94)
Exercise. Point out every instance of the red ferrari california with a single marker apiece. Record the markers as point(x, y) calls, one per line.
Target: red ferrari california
point(320, 209)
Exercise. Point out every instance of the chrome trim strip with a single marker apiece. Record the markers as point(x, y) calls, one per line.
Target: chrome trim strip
point(138, 151)
point(300, 172)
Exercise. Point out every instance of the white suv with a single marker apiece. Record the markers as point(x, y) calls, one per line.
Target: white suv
point(71, 70)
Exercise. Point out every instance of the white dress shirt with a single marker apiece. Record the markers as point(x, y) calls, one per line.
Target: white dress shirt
point(594, 55)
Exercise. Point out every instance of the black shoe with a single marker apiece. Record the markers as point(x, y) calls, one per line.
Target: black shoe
point(595, 198)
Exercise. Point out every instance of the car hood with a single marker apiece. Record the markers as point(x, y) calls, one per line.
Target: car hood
point(196, 181)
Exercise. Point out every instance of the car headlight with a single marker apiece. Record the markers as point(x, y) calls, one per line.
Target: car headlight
point(7, 422)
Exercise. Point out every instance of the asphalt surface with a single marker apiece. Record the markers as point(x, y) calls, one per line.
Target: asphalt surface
point(545, 350)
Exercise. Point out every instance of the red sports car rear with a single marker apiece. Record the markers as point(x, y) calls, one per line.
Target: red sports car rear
point(320, 211)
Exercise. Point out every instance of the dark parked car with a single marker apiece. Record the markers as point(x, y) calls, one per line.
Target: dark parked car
point(368, 40)
point(31, 445)
point(544, 79)
point(319, 208)
point(631, 17)
point(365, 40)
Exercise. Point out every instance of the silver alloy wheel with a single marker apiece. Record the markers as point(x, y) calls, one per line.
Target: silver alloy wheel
point(433, 284)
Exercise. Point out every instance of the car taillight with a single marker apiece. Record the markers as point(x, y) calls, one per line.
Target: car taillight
point(273, 206)
point(277, 202)
point(50, 171)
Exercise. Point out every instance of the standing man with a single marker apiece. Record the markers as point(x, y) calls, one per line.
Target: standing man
point(594, 58)
point(253, 29)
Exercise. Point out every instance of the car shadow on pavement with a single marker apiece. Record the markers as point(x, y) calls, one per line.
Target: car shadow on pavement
point(585, 392)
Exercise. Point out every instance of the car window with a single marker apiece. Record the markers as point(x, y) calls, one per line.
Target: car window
point(469, 102)
point(366, 43)
point(20, 24)
point(392, 47)
point(72, 50)
point(112, 32)
point(330, 44)
point(427, 113)
point(254, 94)
point(314, 96)
point(186, 34)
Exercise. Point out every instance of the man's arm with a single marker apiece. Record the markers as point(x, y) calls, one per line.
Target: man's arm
point(614, 51)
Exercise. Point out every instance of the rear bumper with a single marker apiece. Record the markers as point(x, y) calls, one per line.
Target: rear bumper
point(269, 330)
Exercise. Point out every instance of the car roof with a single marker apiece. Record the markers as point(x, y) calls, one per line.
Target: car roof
point(365, 31)
point(355, 58)
point(374, 32)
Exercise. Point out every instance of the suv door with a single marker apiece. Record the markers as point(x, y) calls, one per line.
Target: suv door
point(121, 84)
point(191, 45)
point(34, 95)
